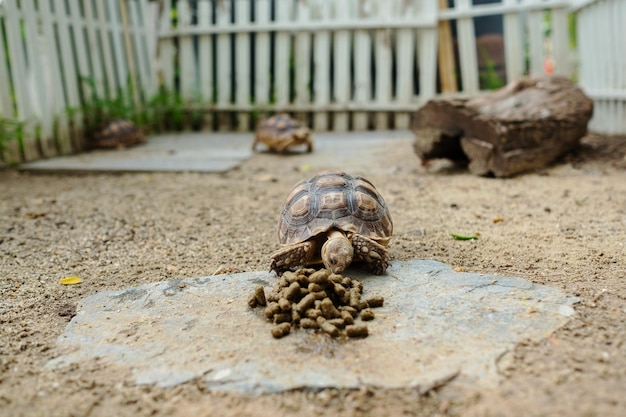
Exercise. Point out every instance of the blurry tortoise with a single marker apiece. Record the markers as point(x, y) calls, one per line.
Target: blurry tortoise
point(281, 132)
point(334, 219)
point(116, 133)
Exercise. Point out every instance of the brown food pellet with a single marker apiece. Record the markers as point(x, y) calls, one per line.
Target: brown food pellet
point(305, 303)
point(339, 289)
point(355, 298)
point(284, 304)
point(327, 327)
point(259, 293)
point(375, 301)
point(295, 316)
point(367, 314)
point(292, 291)
point(312, 299)
point(319, 277)
point(258, 297)
point(271, 309)
point(350, 310)
point(335, 278)
point(347, 317)
point(357, 330)
point(306, 271)
point(320, 295)
point(281, 330)
point(290, 276)
point(252, 301)
point(282, 317)
point(313, 313)
point(328, 309)
point(339, 323)
point(307, 323)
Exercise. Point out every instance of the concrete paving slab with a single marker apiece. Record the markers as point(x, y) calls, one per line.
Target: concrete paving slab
point(435, 325)
point(212, 152)
point(183, 152)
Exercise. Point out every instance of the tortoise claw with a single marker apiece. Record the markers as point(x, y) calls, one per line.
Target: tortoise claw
point(371, 252)
point(292, 256)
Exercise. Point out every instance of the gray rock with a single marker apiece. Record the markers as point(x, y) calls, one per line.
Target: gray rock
point(435, 325)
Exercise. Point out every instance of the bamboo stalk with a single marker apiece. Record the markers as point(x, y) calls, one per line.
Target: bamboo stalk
point(447, 64)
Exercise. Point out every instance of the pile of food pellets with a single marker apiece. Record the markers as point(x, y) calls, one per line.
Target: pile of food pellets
point(319, 300)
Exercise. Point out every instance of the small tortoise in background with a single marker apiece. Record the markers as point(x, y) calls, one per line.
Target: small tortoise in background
point(334, 219)
point(117, 133)
point(280, 133)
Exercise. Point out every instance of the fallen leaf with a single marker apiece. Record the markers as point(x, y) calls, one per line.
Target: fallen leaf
point(463, 237)
point(306, 168)
point(70, 280)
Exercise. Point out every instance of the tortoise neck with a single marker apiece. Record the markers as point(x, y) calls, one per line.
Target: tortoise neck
point(336, 234)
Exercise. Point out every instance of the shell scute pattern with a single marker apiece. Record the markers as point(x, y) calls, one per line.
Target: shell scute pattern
point(334, 200)
point(116, 133)
point(281, 132)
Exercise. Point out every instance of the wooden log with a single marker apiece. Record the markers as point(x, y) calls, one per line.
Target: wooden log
point(521, 127)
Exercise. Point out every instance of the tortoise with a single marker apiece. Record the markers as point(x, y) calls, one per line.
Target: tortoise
point(281, 132)
point(115, 133)
point(333, 218)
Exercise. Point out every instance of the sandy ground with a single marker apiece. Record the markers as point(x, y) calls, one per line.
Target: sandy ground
point(563, 227)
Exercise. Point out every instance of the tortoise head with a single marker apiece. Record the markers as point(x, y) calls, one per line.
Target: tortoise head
point(337, 252)
point(302, 133)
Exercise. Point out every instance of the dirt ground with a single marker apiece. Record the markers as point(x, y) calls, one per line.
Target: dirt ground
point(564, 227)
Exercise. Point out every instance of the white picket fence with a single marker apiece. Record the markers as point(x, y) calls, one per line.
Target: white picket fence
point(336, 64)
point(602, 61)
point(342, 64)
point(49, 48)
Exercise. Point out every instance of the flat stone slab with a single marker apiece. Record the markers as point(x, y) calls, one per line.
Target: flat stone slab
point(182, 152)
point(212, 152)
point(435, 325)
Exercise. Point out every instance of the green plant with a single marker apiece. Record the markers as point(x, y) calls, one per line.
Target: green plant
point(489, 76)
point(164, 110)
point(10, 130)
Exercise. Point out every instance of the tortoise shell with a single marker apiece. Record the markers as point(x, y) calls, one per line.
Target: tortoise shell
point(116, 133)
point(281, 132)
point(334, 200)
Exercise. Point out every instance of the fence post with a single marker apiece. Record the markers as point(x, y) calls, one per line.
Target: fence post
point(224, 67)
point(383, 49)
point(467, 50)
point(427, 54)
point(404, 64)
point(186, 60)
point(341, 59)
point(242, 65)
point(205, 63)
point(303, 62)
point(321, 63)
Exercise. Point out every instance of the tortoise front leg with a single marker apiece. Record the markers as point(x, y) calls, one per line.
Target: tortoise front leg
point(309, 144)
point(254, 143)
point(284, 144)
point(371, 252)
point(292, 256)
